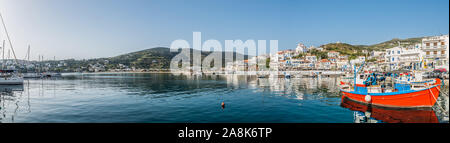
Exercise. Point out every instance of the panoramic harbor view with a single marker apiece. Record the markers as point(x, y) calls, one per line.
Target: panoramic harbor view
point(182, 62)
point(167, 98)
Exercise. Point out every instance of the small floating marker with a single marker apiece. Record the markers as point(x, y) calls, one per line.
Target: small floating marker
point(223, 105)
point(368, 98)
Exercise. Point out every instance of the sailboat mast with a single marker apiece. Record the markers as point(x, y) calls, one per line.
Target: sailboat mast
point(27, 55)
point(9, 39)
point(39, 69)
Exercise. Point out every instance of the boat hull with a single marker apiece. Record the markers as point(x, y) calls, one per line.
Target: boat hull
point(413, 99)
point(393, 115)
point(11, 82)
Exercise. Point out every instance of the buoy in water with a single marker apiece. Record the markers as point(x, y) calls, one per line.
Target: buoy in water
point(223, 105)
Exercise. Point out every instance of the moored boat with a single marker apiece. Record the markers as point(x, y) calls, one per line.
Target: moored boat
point(372, 88)
point(32, 75)
point(10, 77)
point(50, 74)
point(401, 95)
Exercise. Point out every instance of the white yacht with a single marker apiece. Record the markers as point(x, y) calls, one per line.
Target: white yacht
point(10, 77)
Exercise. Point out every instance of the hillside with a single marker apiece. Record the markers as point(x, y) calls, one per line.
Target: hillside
point(394, 42)
point(357, 50)
point(154, 58)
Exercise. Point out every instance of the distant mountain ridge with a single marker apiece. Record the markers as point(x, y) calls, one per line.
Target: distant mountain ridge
point(153, 58)
point(160, 57)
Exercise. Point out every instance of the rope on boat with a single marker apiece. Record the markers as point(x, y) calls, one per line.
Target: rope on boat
point(443, 83)
point(429, 89)
point(441, 92)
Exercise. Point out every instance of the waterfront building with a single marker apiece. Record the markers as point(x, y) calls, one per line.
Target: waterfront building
point(392, 57)
point(436, 51)
point(342, 64)
point(240, 65)
point(411, 57)
point(324, 64)
point(404, 57)
point(229, 67)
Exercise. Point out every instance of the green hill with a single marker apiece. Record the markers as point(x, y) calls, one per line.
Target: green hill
point(154, 58)
point(357, 50)
point(394, 42)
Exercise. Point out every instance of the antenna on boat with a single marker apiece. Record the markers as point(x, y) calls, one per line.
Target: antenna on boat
point(3, 57)
point(7, 36)
point(29, 52)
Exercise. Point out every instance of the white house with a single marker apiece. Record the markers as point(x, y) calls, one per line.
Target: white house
point(311, 58)
point(436, 51)
point(411, 57)
point(333, 54)
point(301, 48)
point(392, 57)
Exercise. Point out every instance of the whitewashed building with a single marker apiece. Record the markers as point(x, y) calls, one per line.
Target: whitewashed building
point(404, 57)
point(411, 57)
point(301, 48)
point(333, 54)
point(392, 57)
point(436, 51)
point(311, 58)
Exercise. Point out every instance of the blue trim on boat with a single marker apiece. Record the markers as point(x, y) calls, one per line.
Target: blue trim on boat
point(405, 82)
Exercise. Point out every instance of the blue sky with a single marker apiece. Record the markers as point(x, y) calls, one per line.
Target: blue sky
point(103, 28)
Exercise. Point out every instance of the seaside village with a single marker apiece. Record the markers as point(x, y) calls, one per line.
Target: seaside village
point(430, 54)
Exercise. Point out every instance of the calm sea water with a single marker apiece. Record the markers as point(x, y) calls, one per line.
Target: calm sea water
point(168, 98)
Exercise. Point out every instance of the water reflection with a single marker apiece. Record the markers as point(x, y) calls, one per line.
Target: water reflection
point(181, 84)
point(374, 114)
point(188, 98)
point(10, 96)
point(299, 88)
point(9, 89)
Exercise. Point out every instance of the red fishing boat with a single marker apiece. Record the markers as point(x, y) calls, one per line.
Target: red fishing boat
point(406, 90)
point(409, 95)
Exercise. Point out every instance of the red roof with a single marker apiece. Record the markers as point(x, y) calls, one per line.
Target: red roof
point(324, 60)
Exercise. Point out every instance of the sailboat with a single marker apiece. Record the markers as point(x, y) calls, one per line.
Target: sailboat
point(9, 76)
